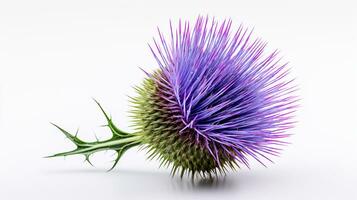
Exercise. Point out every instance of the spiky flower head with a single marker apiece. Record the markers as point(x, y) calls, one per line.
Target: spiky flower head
point(216, 99)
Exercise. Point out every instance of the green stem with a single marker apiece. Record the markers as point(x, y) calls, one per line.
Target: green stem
point(115, 144)
point(119, 142)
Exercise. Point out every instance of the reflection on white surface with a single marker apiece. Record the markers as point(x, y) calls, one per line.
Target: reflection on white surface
point(152, 182)
point(131, 184)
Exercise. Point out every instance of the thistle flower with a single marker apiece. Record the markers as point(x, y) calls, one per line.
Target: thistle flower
point(216, 100)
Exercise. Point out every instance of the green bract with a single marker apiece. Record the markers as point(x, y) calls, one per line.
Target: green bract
point(161, 134)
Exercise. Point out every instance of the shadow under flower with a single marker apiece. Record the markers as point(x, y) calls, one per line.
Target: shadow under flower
point(154, 181)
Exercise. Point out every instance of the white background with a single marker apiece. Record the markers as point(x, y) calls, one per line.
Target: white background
point(56, 55)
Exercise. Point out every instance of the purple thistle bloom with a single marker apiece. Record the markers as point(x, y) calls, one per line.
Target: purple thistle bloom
point(216, 100)
point(224, 88)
